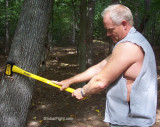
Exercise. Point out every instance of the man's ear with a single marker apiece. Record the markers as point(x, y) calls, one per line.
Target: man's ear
point(124, 24)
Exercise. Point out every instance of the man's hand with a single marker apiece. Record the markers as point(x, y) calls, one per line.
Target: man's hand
point(65, 84)
point(77, 94)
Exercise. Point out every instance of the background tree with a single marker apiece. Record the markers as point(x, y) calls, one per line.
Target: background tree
point(28, 42)
point(9, 15)
point(82, 38)
point(147, 4)
point(65, 27)
point(89, 29)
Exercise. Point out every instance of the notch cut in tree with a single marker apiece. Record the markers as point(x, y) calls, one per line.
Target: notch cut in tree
point(25, 52)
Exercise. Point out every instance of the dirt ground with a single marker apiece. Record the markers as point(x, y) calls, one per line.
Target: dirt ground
point(52, 108)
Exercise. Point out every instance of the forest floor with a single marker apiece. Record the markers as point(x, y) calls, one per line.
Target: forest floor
point(52, 108)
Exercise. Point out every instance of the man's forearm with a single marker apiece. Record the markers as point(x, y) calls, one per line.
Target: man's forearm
point(82, 77)
point(88, 74)
point(95, 85)
point(97, 81)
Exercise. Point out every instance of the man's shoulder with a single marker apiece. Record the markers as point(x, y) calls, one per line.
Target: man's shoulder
point(128, 50)
point(128, 47)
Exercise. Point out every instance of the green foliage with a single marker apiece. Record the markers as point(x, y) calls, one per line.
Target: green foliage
point(62, 20)
point(151, 30)
point(2, 17)
point(12, 12)
point(155, 6)
point(99, 31)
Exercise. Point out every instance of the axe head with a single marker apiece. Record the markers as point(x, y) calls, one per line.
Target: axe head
point(8, 68)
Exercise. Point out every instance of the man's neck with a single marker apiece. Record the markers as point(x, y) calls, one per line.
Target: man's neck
point(127, 30)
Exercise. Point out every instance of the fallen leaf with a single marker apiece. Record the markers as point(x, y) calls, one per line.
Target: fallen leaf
point(97, 110)
point(40, 121)
point(34, 117)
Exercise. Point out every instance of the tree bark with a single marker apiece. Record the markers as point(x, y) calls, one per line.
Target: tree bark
point(89, 38)
point(82, 40)
point(25, 52)
point(136, 19)
point(73, 23)
point(146, 16)
point(153, 31)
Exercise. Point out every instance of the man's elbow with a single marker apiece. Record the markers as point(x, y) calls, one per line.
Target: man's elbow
point(103, 85)
point(100, 82)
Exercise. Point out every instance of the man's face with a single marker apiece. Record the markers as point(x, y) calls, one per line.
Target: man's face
point(114, 31)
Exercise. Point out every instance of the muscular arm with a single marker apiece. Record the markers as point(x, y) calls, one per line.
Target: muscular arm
point(123, 56)
point(84, 76)
point(89, 73)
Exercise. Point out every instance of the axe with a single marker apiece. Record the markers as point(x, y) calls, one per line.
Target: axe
point(11, 67)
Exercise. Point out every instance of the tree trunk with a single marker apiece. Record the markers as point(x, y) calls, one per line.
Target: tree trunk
point(90, 21)
point(153, 31)
point(136, 19)
point(157, 39)
point(73, 23)
point(25, 52)
point(82, 40)
point(146, 16)
point(50, 35)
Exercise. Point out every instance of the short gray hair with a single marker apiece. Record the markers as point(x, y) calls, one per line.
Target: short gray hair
point(118, 13)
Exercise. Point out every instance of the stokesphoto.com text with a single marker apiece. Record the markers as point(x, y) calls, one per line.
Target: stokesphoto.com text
point(58, 118)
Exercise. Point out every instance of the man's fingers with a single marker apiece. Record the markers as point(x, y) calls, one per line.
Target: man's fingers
point(77, 94)
point(64, 86)
point(56, 82)
point(73, 94)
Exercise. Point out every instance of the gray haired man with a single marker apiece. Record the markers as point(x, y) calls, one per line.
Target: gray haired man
point(129, 73)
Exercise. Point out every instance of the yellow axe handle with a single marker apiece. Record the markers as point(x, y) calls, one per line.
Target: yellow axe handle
point(23, 72)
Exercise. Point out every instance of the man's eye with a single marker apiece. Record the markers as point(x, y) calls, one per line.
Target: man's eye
point(110, 30)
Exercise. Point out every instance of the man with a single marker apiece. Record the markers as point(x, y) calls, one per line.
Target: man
point(129, 73)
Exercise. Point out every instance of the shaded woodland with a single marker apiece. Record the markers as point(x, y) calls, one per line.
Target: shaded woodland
point(57, 39)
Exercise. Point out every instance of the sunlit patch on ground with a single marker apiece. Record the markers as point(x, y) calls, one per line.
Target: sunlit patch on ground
point(34, 124)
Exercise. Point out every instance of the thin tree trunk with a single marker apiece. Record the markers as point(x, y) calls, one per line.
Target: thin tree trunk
point(89, 38)
point(28, 42)
point(73, 30)
point(136, 19)
point(146, 16)
point(73, 23)
point(82, 40)
point(157, 39)
point(153, 30)
point(52, 24)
